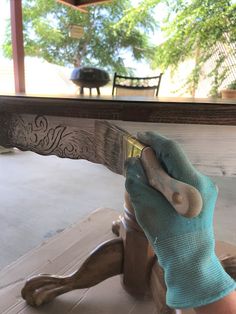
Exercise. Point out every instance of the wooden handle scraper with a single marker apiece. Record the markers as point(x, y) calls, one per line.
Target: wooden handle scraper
point(186, 199)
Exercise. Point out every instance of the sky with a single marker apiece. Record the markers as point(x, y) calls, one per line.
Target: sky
point(4, 14)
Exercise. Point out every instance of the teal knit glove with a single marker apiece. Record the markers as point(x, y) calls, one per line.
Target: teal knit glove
point(184, 246)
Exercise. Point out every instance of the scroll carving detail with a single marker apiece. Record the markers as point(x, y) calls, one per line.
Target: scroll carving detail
point(45, 136)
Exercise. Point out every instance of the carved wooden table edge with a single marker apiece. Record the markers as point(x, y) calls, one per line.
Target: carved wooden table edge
point(26, 126)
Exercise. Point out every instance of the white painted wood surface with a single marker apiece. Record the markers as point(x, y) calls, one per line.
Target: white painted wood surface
point(211, 148)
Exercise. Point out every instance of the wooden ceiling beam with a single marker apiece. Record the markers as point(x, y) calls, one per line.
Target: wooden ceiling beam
point(81, 4)
point(72, 4)
point(89, 2)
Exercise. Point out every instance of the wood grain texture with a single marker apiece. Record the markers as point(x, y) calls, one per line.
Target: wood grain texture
point(211, 148)
point(104, 262)
point(65, 126)
point(62, 255)
point(138, 254)
point(50, 126)
point(168, 110)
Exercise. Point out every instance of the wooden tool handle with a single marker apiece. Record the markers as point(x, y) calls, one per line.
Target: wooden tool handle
point(186, 199)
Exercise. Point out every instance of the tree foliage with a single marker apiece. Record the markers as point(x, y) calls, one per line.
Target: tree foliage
point(192, 29)
point(198, 25)
point(194, 32)
point(46, 34)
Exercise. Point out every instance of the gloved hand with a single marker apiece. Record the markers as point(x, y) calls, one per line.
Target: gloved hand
point(184, 246)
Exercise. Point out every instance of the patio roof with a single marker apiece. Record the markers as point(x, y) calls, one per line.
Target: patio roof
point(81, 4)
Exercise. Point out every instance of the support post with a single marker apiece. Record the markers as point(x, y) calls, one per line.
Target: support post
point(17, 45)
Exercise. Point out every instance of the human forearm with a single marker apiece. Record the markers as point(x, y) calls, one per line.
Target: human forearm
point(226, 305)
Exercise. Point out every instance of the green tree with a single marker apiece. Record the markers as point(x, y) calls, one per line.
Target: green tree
point(46, 34)
point(194, 31)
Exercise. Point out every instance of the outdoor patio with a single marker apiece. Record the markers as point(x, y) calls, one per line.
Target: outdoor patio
point(57, 203)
